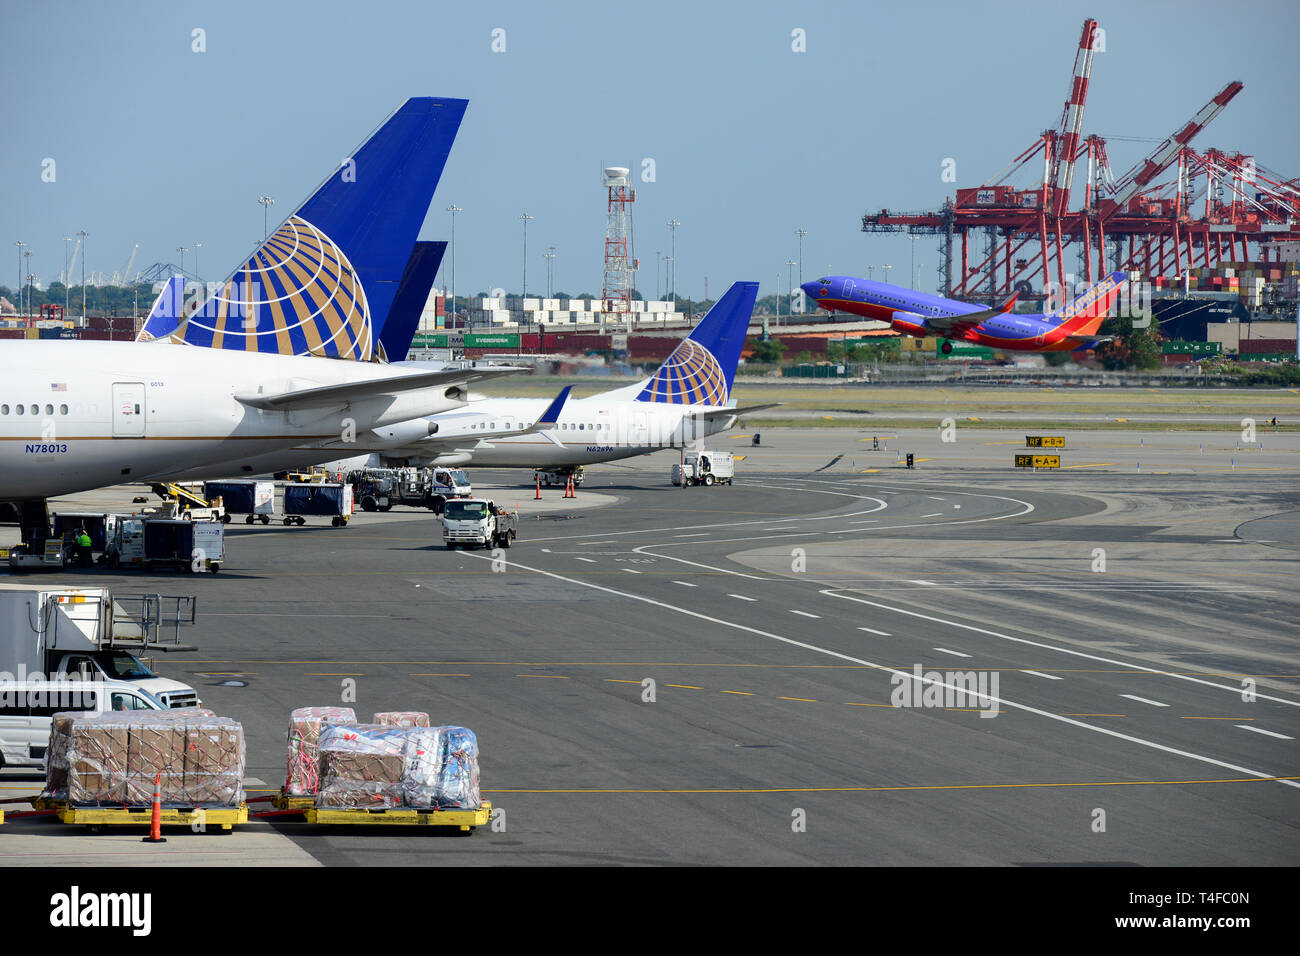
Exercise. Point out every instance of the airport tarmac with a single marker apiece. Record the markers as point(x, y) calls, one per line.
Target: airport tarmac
point(711, 675)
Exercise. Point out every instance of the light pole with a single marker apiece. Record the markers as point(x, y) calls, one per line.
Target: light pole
point(28, 257)
point(67, 279)
point(197, 247)
point(801, 232)
point(672, 281)
point(453, 209)
point(912, 277)
point(778, 300)
point(83, 234)
point(658, 258)
point(789, 267)
point(19, 287)
point(267, 202)
point(524, 218)
point(181, 250)
point(550, 257)
point(668, 264)
point(884, 270)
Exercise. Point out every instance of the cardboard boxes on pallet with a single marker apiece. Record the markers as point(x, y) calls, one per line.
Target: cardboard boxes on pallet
point(114, 759)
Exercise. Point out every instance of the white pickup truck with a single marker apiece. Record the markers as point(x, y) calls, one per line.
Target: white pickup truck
point(477, 521)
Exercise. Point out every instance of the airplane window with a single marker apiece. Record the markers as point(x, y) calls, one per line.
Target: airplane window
point(36, 409)
point(63, 409)
point(49, 409)
point(581, 427)
point(4, 409)
point(18, 409)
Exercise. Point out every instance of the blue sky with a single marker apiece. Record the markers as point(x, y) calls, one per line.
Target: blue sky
point(157, 144)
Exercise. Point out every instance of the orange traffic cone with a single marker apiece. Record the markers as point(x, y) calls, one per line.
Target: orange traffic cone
point(155, 818)
point(568, 488)
point(538, 496)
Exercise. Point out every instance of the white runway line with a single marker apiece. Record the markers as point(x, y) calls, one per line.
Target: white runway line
point(629, 571)
point(937, 514)
point(1041, 674)
point(1143, 700)
point(919, 581)
point(872, 630)
point(803, 613)
point(1025, 708)
point(589, 560)
point(835, 593)
point(785, 528)
point(944, 650)
point(741, 597)
point(1261, 730)
point(686, 584)
point(698, 534)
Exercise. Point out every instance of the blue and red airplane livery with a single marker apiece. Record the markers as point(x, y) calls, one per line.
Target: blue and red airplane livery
point(920, 314)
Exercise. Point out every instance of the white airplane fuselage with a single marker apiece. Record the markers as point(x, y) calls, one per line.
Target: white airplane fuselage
point(589, 430)
point(102, 413)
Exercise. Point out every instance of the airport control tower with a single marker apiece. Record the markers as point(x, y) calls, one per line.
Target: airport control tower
point(619, 261)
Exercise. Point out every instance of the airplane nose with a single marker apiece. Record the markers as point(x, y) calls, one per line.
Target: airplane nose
point(814, 290)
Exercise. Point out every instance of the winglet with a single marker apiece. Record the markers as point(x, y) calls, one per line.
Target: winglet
point(1010, 304)
point(552, 414)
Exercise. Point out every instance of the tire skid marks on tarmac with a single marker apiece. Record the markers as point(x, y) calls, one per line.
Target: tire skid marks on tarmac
point(1002, 701)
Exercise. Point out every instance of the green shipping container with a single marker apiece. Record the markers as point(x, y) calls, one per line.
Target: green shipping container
point(492, 340)
point(430, 340)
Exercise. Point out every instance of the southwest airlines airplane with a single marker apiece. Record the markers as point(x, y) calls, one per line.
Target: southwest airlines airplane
point(685, 400)
point(919, 314)
point(77, 415)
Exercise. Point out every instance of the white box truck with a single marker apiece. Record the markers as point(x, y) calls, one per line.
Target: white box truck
point(85, 634)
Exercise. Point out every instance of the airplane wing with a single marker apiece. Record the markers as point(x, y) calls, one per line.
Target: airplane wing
point(1088, 341)
point(947, 325)
point(325, 396)
point(716, 413)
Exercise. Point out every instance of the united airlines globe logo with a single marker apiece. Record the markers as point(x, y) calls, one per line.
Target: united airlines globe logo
point(297, 295)
point(690, 376)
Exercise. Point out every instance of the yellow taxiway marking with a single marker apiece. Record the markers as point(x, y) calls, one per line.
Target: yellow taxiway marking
point(1094, 715)
point(1217, 718)
point(803, 700)
point(546, 676)
point(854, 703)
point(738, 457)
point(437, 675)
point(1100, 464)
point(620, 680)
point(332, 674)
point(950, 786)
point(868, 471)
point(742, 693)
point(685, 686)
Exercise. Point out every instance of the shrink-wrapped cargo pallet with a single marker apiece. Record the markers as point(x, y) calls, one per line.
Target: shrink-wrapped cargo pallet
point(401, 718)
point(361, 766)
point(302, 774)
point(56, 753)
point(383, 767)
point(117, 759)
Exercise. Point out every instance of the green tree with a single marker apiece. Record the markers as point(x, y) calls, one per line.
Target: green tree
point(767, 352)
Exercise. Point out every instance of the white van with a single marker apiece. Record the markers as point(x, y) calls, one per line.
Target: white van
point(26, 708)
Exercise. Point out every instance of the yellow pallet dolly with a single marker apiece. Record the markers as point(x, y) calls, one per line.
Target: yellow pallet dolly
point(223, 817)
point(284, 801)
point(465, 820)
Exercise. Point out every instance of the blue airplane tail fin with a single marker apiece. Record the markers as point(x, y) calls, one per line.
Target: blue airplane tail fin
point(701, 370)
point(324, 281)
point(399, 328)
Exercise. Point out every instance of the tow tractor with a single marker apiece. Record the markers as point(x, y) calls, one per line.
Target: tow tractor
point(560, 476)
